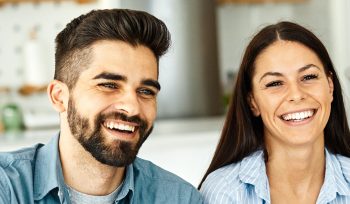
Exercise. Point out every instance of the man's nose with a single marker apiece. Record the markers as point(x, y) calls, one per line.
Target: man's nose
point(296, 93)
point(127, 103)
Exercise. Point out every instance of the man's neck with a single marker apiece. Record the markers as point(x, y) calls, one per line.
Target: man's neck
point(83, 172)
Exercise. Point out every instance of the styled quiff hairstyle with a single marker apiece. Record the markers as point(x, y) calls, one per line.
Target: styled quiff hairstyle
point(73, 43)
point(243, 133)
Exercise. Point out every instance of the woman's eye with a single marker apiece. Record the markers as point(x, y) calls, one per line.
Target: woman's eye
point(273, 84)
point(108, 85)
point(309, 77)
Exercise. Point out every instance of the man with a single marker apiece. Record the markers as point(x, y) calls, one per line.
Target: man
point(105, 90)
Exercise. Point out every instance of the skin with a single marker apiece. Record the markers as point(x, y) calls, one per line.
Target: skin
point(94, 93)
point(290, 78)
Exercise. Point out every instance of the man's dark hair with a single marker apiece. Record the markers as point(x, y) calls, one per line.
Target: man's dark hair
point(73, 43)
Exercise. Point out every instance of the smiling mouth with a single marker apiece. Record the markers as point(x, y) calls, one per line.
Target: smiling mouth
point(298, 116)
point(120, 127)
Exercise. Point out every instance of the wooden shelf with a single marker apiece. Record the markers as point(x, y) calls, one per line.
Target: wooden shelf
point(258, 1)
point(2, 2)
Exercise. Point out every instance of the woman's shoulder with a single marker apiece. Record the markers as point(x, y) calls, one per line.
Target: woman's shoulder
point(227, 182)
point(222, 184)
point(226, 175)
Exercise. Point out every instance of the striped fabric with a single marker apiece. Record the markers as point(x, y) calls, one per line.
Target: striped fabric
point(247, 182)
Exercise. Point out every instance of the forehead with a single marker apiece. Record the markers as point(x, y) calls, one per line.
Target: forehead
point(121, 58)
point(285, 56)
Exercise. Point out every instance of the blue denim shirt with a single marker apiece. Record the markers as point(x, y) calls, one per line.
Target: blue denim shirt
point(34, 175)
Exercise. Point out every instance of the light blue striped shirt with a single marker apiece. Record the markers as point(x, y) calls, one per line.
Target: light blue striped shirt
point(247, 182)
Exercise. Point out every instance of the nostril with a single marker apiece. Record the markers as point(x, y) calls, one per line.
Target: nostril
point(297, 98)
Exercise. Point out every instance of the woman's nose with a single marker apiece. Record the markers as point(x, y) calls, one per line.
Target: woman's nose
point(296, 93)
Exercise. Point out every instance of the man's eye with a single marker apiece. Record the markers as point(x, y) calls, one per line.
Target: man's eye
point(108, 85)
point(274, 84)
point(309, 77)
point(147, 92)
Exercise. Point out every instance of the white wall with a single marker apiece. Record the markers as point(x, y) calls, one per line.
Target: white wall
point(340, 32)
point(17, 21)
point(237, 23)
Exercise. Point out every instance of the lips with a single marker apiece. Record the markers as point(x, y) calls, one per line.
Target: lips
point(298, 116)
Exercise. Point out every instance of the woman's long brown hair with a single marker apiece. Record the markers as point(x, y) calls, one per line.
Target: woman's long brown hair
point(242, 133)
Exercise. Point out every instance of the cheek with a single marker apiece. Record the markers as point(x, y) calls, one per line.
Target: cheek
point(89, 106)
point(149, 110)
point(324, 98)
point(268, 104)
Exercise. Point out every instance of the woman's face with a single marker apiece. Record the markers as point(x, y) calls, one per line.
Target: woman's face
point(292, 94)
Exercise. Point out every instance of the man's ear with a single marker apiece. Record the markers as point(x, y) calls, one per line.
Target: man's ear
point(58, 94)
point(253, 106)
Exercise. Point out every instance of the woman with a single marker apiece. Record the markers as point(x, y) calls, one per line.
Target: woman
point(286, 138)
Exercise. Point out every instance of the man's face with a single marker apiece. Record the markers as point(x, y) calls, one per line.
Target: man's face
point(113, 105)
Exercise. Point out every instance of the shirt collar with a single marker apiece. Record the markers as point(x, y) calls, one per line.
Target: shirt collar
point(48, 172)
point(253, 171)
point(334, 182)
point(48, 169)
point(128, 184)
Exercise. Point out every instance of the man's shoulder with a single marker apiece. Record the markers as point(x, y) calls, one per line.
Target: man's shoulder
point(163, 186)
point(19, 157)
point(153, 172)
point(16, 174)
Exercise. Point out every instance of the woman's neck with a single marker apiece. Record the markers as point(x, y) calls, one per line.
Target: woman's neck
point(296, 174)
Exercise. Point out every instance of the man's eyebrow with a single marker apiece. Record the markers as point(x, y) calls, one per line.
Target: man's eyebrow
point(110, 76)
point(308, 66)
point(151, 82)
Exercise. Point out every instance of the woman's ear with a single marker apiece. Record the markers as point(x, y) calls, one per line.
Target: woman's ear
point(58, 94)
point(330, 84)
point(253, 106)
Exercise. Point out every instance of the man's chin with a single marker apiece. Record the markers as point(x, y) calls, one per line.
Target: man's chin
point(110, 150)
point(119, 154)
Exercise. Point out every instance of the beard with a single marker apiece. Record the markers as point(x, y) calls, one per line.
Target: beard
point(116, 153)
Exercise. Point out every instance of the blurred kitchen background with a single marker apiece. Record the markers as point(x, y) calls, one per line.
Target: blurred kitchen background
point(208, 39)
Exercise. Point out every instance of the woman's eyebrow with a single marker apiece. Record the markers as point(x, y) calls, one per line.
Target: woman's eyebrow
point(306, 67)
point(270, 74)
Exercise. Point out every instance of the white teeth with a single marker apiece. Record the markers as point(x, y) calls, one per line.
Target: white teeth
point(119, 126)
point(298, 116)
point(115, 126)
